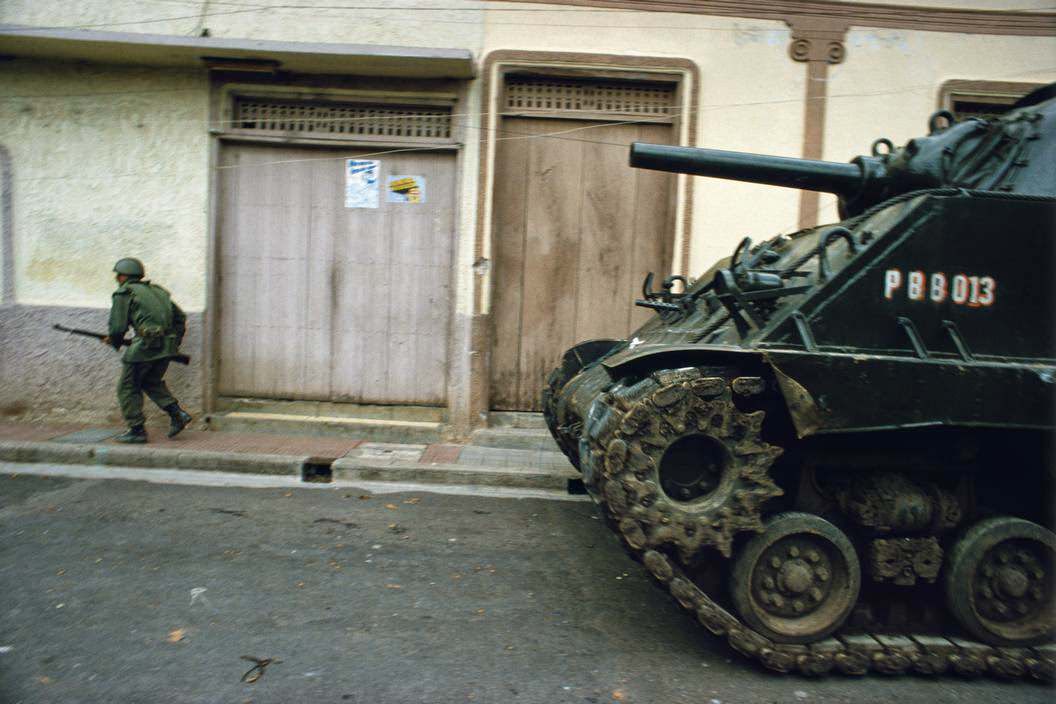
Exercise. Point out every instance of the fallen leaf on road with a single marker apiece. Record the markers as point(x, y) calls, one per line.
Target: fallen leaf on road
point(480, 611)
point(393, 586)
point(254, 673)
point(397, 528)
point(365, 497)
point(288, 494)
point(617, 695)
point(44, 680)
point(60, 573)
point(175, 635)
point(412, 500)
point(391, 507)
point(300, 585)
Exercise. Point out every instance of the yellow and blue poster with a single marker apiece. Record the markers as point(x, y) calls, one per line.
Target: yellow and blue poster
point(405, 189)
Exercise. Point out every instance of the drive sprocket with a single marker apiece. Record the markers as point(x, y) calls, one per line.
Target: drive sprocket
point(679, 465)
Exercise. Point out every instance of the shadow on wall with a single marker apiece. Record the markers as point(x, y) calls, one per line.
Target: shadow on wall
point(48, 375)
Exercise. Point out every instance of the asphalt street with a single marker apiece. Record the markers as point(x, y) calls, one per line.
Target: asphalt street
point(124, 591)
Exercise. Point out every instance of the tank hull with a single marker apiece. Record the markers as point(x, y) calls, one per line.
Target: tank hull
point(835, 450)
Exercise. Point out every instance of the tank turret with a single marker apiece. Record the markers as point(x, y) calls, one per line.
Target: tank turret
point(1006, 154)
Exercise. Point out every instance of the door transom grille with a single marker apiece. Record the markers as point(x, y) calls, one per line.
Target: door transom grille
point(534, 94)
point(342, 119)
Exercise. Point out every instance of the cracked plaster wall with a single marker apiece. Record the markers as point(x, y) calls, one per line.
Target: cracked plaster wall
point(105, 162)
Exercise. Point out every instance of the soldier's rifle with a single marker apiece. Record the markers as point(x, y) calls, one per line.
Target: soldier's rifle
point(178, 358)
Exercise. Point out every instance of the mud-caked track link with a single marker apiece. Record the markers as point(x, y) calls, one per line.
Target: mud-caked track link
point(625, 437)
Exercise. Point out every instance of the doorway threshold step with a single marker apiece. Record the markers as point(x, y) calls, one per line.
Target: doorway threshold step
point(515, 438)
point(516, 419)
point(375, 429)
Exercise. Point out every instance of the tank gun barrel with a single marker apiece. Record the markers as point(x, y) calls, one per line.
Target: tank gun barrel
point(846, 180)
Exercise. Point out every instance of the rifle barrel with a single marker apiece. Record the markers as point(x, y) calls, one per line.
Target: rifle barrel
point(78, 331)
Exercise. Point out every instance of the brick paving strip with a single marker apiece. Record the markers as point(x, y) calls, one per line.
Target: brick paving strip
point(232, 452)
point(33, 432)
point(441, 454)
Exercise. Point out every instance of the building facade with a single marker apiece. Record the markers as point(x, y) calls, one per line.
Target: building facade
point(413, 211)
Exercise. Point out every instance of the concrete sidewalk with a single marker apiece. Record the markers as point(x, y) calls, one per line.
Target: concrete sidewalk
point(311, 458)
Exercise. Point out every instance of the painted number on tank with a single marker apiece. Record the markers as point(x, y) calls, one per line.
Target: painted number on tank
point(937, 287)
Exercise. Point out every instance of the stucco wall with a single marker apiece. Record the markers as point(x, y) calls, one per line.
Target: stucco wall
point(107, 162)
point(751, 93)
point(432, 24)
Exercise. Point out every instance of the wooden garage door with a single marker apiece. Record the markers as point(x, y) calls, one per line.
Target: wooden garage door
point(576, 231)
point(320, 301)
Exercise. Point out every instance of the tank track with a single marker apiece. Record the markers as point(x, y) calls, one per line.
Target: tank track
point(846, 653)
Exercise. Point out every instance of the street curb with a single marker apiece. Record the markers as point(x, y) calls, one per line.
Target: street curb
point(151, 458)
point(354, 468)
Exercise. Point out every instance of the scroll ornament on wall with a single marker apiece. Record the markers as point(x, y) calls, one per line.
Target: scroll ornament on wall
point(815, 39)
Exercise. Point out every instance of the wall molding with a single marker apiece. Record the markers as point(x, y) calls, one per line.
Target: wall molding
point(816, 42)
point(816, 39)
point(920, 18)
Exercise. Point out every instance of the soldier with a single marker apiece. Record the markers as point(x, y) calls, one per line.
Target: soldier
point(159, 325)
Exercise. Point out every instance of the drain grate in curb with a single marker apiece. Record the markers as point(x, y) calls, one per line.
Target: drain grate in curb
point(317, 471)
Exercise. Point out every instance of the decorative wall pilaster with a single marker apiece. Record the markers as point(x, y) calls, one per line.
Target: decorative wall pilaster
point(817, 42)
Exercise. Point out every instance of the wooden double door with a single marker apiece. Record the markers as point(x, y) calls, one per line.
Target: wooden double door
point(575, 230)
point(321, 301)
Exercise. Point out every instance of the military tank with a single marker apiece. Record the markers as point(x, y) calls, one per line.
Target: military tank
point(834, 449)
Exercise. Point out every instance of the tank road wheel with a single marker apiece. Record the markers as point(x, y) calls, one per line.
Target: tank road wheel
point(680, 465)
point(1000, 579)
point(798, 581)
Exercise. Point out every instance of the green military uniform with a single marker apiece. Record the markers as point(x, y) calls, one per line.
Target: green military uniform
point(159, 325)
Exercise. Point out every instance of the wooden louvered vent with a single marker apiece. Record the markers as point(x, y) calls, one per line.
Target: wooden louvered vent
point(566, 97)
point(333, 119)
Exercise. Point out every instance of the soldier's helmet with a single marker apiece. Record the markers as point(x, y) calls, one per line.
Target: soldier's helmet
point(129, 267)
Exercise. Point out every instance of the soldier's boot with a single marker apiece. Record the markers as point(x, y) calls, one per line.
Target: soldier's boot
point(135, 435)
point(178, 419)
